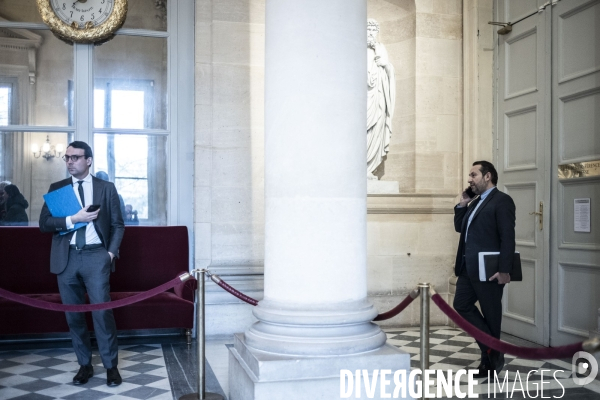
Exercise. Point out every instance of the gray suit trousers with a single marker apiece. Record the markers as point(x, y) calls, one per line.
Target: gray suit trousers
point(89, 271)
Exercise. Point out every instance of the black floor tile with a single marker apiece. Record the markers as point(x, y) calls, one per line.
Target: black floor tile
point(36, 386)
point(87, 395)
point(43, 373)
point(33, 396)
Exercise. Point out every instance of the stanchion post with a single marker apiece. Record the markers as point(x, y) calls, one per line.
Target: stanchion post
point(424, 291)
point(202, 394)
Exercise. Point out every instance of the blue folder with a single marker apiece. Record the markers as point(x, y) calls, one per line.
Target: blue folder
point(63, 203)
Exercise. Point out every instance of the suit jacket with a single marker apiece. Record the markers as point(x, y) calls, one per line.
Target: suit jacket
point(109, 224)
point(492, 229)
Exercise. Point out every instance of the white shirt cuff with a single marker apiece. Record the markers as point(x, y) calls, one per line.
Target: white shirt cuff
point(70, 225)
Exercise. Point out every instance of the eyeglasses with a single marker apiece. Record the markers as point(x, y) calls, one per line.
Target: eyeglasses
point(72, 158)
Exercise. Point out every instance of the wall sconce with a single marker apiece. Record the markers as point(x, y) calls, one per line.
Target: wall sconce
point(47, 151)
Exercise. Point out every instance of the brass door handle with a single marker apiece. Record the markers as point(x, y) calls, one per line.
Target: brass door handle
point(540, 214)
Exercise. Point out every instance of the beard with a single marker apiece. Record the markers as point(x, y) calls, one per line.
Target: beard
point(371, 42)
point(479, 188)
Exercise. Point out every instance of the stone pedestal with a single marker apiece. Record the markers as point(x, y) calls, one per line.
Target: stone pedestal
point(259, 375)
point(382, 187)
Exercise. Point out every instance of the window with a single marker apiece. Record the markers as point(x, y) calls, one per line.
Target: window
point(120, 97)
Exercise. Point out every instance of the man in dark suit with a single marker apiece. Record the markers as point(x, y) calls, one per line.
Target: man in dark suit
point(83, 259)
point(486, 222)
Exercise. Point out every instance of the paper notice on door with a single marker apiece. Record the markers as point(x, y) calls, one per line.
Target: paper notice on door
point(581, 215)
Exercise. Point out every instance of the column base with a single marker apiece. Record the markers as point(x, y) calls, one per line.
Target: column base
point(259, 375)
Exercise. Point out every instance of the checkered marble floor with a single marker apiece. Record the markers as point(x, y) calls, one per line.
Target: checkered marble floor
point(146, 369)
point(452, 349)
point(48, 374)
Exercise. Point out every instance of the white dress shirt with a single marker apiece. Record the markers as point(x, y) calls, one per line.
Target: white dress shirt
point(91, 236)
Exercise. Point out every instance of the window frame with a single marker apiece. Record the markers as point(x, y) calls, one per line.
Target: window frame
point(180, 117)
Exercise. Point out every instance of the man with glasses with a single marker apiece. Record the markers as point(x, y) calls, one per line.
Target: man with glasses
point(83, 259)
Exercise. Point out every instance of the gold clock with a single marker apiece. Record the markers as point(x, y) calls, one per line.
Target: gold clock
point(83, 21)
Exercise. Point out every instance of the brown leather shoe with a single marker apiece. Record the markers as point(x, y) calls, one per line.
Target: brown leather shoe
point(113, 378)
point(85, 372)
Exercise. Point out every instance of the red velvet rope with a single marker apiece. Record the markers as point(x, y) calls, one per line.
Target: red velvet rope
point(233, 290)
point(503, 347)
point(396, 310)
point(90, 307)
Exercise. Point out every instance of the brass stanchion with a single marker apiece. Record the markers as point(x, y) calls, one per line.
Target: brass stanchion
point(202, 394)
point(424, 357)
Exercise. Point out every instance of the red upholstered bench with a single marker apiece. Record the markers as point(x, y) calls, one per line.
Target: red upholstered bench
point(149, 257)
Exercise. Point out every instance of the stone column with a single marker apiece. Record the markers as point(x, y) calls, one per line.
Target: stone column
point(315, 186)
point(315, 317)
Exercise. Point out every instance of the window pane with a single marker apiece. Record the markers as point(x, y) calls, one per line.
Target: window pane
point(137, 166)
point(32, 172)
point(147, 14)
point(136, 193)
point(39, 86)
point(127, 109)
point(133, 73)
point(99, 108)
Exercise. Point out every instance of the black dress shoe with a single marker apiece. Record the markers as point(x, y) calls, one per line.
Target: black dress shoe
point(482, 369)
point(497, 361)
point(113, 378)
point(85, 372)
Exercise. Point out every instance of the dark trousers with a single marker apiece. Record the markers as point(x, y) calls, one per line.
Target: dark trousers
point(89, 271)
point(489, 295)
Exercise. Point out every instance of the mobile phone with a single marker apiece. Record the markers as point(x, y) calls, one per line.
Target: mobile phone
point(93, 208)
point(469, 192)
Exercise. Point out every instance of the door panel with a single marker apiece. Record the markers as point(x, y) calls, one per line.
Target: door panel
point(516, 292)
point(525, 229)
point(523, 158)
point(520, 146)
point(579, 120)
point(575, 256)
point(520, 50)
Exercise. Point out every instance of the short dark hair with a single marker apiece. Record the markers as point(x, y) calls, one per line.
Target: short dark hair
point(485, 167)
point(12, 190)
point(78, 144)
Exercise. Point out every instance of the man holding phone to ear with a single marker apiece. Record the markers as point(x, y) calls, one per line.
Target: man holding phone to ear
point(485, 219)
point(83, 259)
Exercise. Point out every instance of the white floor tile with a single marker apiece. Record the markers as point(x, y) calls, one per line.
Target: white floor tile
point(9, 393)
point(61, 390)
point(445, 347)
point(21, 369)
point(67, 377)
point(123, 387)
point(14, 380)
point(28, 358)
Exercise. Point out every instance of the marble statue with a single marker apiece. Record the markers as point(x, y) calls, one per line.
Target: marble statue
point(381, 98)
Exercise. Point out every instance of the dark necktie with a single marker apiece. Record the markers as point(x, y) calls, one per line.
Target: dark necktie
point(80, 233)
point(473, 206)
